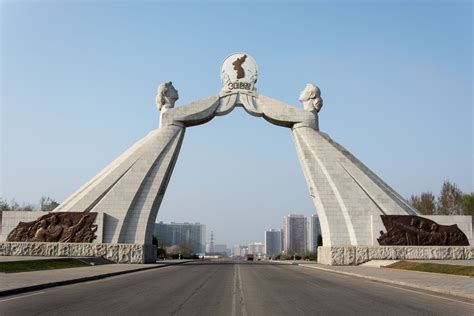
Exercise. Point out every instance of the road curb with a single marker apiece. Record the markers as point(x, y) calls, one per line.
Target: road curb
point(81, 280)
point(382, 280)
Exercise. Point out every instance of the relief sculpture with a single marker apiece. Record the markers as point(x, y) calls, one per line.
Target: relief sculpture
point(57, 227)
point(409, 230)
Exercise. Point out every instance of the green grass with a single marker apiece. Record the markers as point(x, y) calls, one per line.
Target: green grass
point(433, 267)
point(36, 265)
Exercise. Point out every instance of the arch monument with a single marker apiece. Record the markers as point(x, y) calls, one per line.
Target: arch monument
point(348, 197)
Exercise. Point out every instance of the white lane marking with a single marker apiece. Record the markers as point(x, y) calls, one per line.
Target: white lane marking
point(242, 300)
point(234, 290)
point(22, 296)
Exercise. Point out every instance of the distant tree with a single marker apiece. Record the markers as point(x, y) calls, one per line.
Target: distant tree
point(47, 204)
point(468, 202)
point(425, 203)
point(27, 208)
point(160, 242)
point(4, 205)
point(14, 206)
point(172, 250)
point(450, 200)
point(161, 253)
point(311, 256)
point(185, 248)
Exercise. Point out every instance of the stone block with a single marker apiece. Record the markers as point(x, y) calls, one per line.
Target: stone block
point(362, 255)
point(51, 249)
point(15, 249)
point(323, 255)
point(136, 254)
point(396, 253)
point(82, 250)
point(64, 249)
point(386, 253)
point(469, 253)
point(336, 256)
point(349, 256)
point(422, 252)
point(379, 253)
point(38, 249)
point(445, 253)
point(20, 249)
point(431, 252)
point(458, 253)
point(5, 249)
point(413, 253)
point(124, 254)
point(113, 252)
point(100, 250)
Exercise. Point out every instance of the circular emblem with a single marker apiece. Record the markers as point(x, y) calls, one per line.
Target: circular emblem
point(239, 72)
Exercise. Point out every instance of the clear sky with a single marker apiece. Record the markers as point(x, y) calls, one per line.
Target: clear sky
point(78, 82)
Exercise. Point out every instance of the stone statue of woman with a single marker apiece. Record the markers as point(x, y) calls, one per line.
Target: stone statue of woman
point(166, 96)
point(311, 98)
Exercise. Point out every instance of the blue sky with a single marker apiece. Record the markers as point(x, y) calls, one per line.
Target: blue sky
point(78, 82)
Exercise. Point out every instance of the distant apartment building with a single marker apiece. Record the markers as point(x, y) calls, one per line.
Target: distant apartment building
point(239, 251)
point(256, 248)
point(190, 234)
point(294, 234)
point(313, 230)
point(236, 251)
point(273, 242)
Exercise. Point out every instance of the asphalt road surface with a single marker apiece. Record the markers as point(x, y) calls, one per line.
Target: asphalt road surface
point(233, 289)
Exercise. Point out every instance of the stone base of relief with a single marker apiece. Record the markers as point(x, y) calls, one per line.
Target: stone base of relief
point(118, 253)
point(354, 255)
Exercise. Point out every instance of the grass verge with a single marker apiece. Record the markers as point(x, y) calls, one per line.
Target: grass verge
point(433, 267)
point(36, 265)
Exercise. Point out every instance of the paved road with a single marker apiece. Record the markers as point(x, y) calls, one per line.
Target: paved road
point(232, 289)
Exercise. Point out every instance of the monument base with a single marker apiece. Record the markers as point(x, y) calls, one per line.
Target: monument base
point(118, 253)
point(354, 255)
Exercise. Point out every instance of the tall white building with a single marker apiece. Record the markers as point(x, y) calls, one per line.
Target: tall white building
point(239, 251)
point(313, 230)
point(294, 234)
point(273, 242)
point(256, 248)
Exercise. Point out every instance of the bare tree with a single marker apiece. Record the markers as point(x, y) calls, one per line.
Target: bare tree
point(425, 203)
point(14, 206)
point(47, 204)
point(450, 200)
